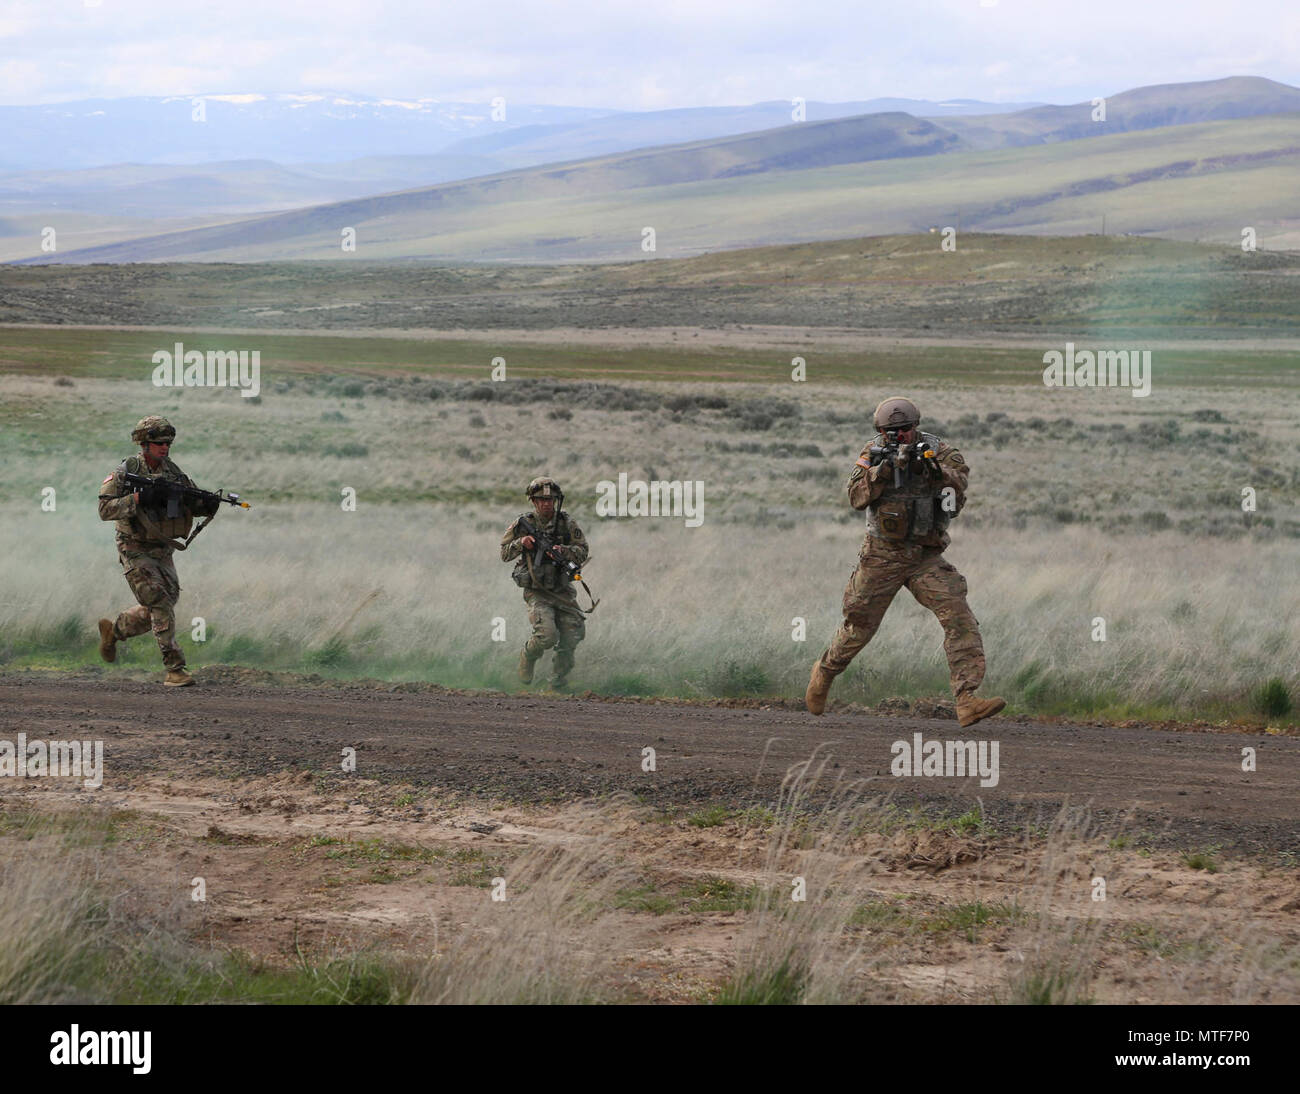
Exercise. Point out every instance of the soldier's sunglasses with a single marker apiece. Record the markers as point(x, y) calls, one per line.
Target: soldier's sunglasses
point(165, 443)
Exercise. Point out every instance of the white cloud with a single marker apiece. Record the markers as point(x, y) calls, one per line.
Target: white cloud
point(634, 55)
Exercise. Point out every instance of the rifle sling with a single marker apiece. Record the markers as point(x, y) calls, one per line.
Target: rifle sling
point(181, 545)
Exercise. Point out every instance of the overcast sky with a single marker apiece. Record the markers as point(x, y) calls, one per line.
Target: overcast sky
point(643, 55)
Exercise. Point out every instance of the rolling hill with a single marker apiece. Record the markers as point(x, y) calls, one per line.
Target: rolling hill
point(855, 177)
point(1153, 107)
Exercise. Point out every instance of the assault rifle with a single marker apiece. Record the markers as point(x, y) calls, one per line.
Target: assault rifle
point(545, 548)
point(173, 493)
point(902, 456)
point(168, 495)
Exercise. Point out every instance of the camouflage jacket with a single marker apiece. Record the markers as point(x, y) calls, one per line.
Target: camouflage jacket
point(913, 512)
point(545, 575)
point(138, 530)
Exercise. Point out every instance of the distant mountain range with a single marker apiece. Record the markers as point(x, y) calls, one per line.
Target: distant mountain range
point(146, 158)
point(332, 127)
point(315, 126)
point(863, 174)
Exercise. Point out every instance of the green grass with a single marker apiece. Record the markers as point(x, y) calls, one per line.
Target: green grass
point(460, 866)
point(971, 823)
point(734, 679)
point(1202, 860)
point(71, 646)
point(696, 897)
point(1053, 986)
point(193, 977)
point(970, 917)
point(888, 915)
point(375, 851)
point(1150, 939)
point(76, 829)
point(783, 985)
point(891, 818)
point(904, 915)
point(757, 816)
point(1273, 699)
point(125, 355)
point(472, 868)
point(710, 817)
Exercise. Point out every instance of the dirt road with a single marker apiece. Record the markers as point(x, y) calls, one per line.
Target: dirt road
point(1180, 788)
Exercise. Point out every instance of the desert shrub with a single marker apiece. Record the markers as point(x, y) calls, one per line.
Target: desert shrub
point(1272, 699)
point(350, 450)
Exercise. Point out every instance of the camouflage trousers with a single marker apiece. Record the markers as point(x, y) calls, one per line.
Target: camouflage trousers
point(153, 580)
point(882, 570)
point(554, 626)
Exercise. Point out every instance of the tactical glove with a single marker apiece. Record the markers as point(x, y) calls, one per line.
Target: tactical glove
point(152, 496)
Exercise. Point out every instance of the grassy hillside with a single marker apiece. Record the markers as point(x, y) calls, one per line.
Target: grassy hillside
point(248, 187)
point(1188, 182)
point(526, 146)
point(1151, 107)
point(996, 284)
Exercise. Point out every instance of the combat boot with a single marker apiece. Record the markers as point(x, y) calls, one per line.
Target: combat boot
point(526, 664)
point(819, 687)
point(972, 709)
point(560, 670)
point(107, 641)
point(178, 678)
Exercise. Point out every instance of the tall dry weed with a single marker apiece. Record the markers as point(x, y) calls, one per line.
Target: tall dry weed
point(550, 940)
point(795, 946)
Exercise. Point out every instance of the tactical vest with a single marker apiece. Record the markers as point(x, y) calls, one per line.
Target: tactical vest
point(149, 525)
point(913, 511)
point(545, 574)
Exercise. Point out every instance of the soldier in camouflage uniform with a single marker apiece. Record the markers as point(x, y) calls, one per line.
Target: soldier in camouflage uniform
point(144, 547)
point(906, 537)
point(553, 610)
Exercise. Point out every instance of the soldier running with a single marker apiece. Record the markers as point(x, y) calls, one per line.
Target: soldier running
point(557, 620)
point(910, 483)
point(144, 547)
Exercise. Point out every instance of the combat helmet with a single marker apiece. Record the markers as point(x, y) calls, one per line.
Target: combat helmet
point(896, 413)
point(153, 428)
point(545, 488)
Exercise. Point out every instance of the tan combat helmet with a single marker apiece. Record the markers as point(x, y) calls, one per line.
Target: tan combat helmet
point(545, 488)
point(153, 428)
point(896, 413)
